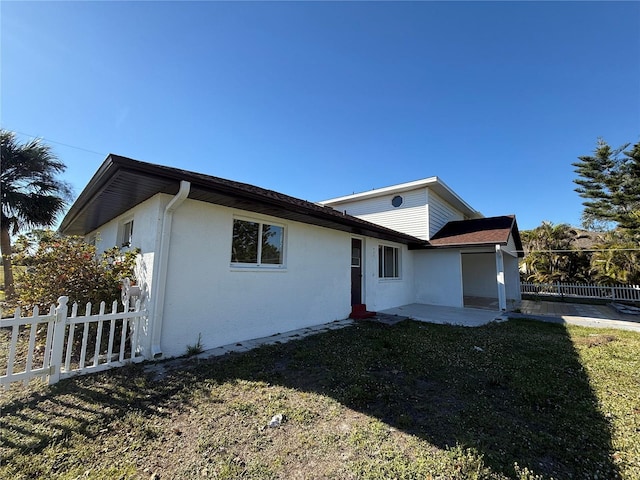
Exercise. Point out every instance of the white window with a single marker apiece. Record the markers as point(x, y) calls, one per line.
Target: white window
point(256, 243)
point(126, 236)
point(388, 262)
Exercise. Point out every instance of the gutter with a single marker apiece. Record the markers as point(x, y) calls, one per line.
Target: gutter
point(160, 283)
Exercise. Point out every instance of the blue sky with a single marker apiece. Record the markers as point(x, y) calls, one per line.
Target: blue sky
point(323, 99)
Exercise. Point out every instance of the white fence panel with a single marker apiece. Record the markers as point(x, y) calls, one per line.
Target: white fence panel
point(70, 338)
point(606, 292)
point(119, 348)
point(21, 359)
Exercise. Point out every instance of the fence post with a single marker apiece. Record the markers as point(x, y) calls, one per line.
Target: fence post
point(59, 327)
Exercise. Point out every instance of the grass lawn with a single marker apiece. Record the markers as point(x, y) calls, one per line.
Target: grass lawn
point(520, 399)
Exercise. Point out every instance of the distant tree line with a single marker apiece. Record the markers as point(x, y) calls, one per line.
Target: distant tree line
point(609, 182)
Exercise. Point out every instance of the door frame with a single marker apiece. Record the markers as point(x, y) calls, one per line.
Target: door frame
point(361, 268)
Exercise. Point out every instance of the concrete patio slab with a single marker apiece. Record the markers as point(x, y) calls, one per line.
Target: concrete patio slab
point(467, 317)
point(595, 316)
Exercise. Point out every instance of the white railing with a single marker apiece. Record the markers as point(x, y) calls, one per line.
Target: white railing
point(605, 292)
point(58, 344)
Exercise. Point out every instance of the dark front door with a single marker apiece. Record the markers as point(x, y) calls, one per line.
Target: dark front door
point(356, 271)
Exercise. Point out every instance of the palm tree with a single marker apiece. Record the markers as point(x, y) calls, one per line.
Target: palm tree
point(31, 195)
point(551, 255)
point(617, 259)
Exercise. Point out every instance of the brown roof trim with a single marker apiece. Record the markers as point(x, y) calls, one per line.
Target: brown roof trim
point(122, 183)
point(478, 232)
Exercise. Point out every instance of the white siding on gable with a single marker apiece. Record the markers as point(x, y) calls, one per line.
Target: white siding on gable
point(511, 245)
point(421, 214)
point(439, 213)
point(409, 218)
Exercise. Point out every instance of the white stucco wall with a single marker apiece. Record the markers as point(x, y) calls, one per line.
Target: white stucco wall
point(512, 280)
point(206, 295)
point(147, 223)
point(384, 293)
point(147, 220)
point(479, 275)
point(225, 304)
point(438, 277)
point(146, 217)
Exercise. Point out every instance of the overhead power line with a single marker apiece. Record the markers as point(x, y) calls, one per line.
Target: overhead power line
point(578, 250)
point(48, 140)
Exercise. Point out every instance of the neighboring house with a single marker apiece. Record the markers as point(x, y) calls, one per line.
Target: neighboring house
point(231, 261)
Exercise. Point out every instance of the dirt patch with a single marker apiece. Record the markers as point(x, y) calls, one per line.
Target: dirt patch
point(595, 340)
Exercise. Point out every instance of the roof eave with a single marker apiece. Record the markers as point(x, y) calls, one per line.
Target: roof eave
point(330, 218)
point(98, 181)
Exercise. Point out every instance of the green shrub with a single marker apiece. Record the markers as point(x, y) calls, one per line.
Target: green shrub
point(57, 266)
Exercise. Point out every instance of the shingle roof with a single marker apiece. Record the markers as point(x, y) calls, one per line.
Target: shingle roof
point(121, 183)
point(478, 232)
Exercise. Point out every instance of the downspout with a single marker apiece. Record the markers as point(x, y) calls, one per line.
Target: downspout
point(502, 293)
point(160, 280)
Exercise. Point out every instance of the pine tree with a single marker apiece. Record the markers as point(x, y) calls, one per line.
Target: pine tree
point(609, 180)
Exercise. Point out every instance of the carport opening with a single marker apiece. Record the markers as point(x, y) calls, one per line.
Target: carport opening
point(479, 285)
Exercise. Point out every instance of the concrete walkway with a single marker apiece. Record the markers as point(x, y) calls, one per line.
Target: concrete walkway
point(599, 316)
point(467, 317)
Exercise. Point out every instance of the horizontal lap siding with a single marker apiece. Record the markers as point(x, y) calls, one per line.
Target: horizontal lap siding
point(409, 218)
point(440, 212)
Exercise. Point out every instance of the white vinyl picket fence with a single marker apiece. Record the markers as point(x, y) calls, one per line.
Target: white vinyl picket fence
point(60, 345)
point(630, 293)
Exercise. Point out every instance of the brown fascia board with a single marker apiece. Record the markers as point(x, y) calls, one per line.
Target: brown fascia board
point(513, 230)
point(115, 163)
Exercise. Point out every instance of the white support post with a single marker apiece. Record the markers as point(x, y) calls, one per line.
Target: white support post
point(502, 293)
point(55, 362)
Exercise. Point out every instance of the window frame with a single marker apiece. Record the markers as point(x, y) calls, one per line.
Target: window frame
point(259, 265)
point(395, 266)
point(126, 239)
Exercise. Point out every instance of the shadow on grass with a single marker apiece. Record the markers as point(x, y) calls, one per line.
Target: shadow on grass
point(514, 392)
point(40, 416)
